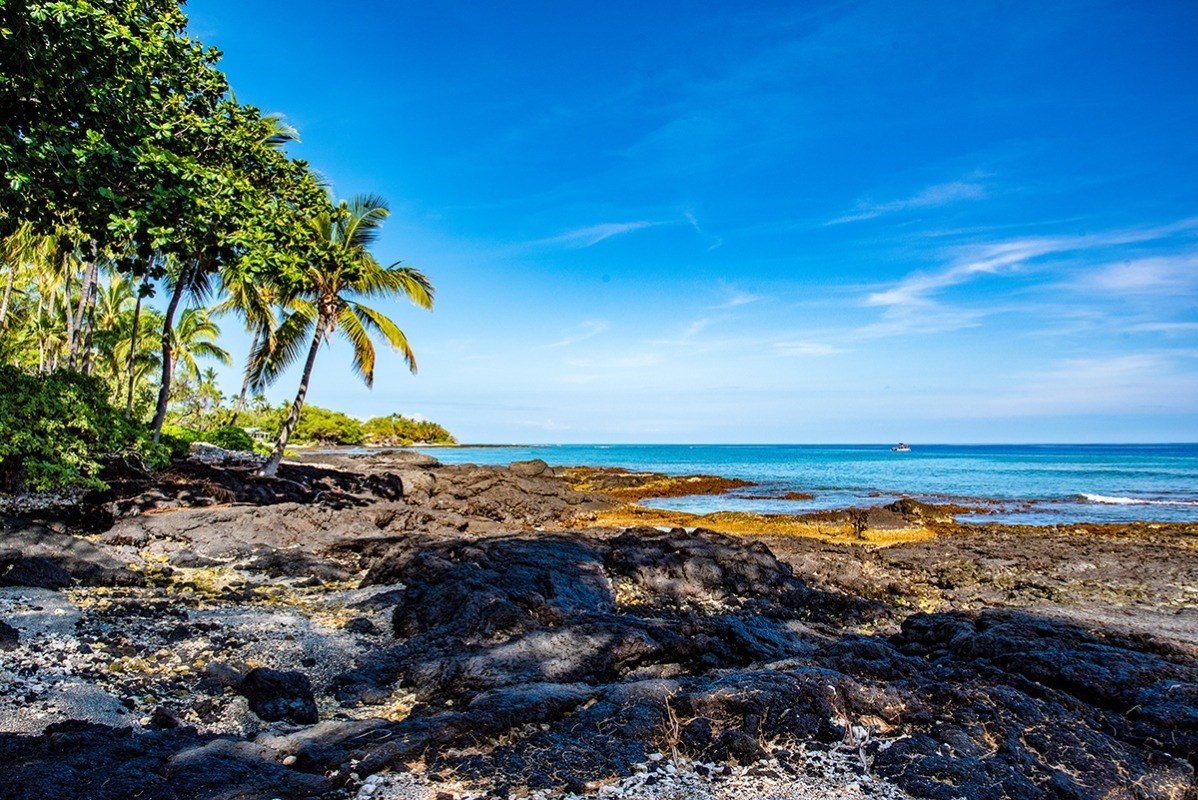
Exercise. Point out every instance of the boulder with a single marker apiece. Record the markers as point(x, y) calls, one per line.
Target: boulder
point(16, 570)
point(274, 695)
point(9, 636)
point(48, 556)
point(532, 468)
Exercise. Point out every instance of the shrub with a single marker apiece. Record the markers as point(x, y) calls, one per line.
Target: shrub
point(56, 430)
point(229, 437)
point(178, 439)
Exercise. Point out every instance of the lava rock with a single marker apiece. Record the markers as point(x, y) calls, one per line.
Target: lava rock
point(530, 469)
point(9, 636)
point(78, 558)
point(275, 695)
point(40, 573)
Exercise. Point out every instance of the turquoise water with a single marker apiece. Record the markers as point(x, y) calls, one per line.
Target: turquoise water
point(1036, 484)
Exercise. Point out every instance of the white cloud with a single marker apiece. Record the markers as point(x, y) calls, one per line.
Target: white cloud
point(995, 258)
point(587, 330)
point(973, 262)
point(1167, 328)
point(940, 194)
point(1096, 385)
point(594, 234)
point(1159, 275)
point(811, 349)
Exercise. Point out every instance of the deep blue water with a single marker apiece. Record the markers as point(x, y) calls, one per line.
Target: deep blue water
point(1037, 484)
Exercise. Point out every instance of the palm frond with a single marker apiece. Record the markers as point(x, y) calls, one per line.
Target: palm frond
point(283, 346)
point(354, 331)
point(383, 325)
point(364, 219)
point(213, 351)
point(395, 279)
point(279, 131)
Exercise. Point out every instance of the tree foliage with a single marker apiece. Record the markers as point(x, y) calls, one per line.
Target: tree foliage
point(322, 426)
point(59, 429)
point(397, 430)
point(129, 174)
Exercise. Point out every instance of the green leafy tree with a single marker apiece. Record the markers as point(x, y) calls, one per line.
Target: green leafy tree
point(398, 430)
point(325, 302)
point(59, 429)
point(327, 427)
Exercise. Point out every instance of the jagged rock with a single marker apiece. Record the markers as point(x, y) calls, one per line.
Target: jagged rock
point(276, 695)
point(16, 570)
point(9, 636)
point(482, 614)
point(530, 469)
point(76, 557)
point(80, 759)
point(211, 454)
point(509, 628)
point(362, 626)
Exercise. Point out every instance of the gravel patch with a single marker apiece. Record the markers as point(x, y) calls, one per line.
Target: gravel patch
point(807, 775)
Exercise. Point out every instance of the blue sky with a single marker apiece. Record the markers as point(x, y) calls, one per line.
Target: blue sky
point(758, 222)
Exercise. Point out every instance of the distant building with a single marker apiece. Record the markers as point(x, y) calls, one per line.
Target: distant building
point(258, 435)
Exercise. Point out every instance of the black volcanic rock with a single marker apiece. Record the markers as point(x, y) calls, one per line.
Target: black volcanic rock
point(275, 695)
point(9, 636)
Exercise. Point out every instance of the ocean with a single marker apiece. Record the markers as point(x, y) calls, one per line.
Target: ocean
point(1033, 484)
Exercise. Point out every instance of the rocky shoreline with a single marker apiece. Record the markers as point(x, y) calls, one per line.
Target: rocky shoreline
point(386, 626)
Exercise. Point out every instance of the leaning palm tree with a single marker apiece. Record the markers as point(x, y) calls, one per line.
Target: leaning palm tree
point(324, 303)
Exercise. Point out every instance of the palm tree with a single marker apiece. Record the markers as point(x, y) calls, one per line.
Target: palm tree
point(254, 301)
point(324, 304)
point(195, 337)
point(191, 277)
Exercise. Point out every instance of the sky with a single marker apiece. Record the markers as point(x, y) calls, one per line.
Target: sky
point(758, 222)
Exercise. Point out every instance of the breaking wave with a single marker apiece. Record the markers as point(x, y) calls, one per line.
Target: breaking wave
point(1133, 501)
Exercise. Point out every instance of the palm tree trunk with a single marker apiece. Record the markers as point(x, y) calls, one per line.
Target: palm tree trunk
point(87, 293)
point(41, 337)
point(272, 464)
point(12, 274)
point(168, 334)
point(91, 327)
point(133, 351)
point(66, 308)
point(245, 382)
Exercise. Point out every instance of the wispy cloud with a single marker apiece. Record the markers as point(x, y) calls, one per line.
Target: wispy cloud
point(713, 240)
point(808, 349)
point(1096, 385)
point(1167, 328)
point(592, 235)
point(586, 330)
point(973, 261)
point(1158, 275)
point(940, 194)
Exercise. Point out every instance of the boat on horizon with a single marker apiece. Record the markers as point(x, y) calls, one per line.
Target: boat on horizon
point(901, 447)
